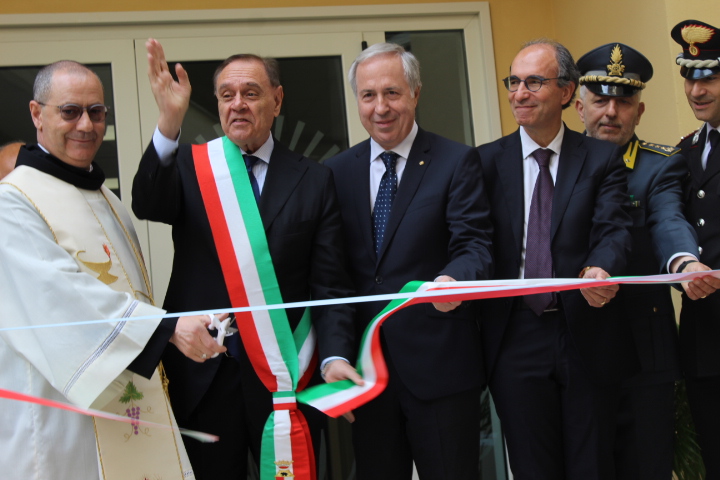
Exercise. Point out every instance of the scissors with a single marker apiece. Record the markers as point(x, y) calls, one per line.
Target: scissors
point(224, 328)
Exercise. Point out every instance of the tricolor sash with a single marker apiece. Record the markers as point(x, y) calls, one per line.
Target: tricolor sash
point(280, 357)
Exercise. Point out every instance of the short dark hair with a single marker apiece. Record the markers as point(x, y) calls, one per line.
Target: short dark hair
point(272, 68)
point(567, 68)
point(43, 79)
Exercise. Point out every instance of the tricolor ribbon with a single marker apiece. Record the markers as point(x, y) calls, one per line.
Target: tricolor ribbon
point(22, 397)
point(279, 356)
point(337, 398)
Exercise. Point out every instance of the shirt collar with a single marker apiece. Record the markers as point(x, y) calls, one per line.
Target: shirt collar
point(529, 145)
point(265, 151)
point(402, 148)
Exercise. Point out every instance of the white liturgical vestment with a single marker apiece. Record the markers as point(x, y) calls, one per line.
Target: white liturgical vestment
point(50, 275)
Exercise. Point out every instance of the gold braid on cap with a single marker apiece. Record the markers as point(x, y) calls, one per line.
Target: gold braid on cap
point(603, 79)
point(687, 63)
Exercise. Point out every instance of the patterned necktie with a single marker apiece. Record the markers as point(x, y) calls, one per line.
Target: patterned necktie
point(714, 139)
point(250, 161)
point(538, 258)
point(384, 200)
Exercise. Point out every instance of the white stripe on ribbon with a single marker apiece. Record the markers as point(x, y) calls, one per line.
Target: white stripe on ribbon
point(246, 262)
point(283, 443)
point(479, 287)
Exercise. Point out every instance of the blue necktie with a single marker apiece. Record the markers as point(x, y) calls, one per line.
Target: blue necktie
point(384, 200)
point(250, 161)
point(538, 257)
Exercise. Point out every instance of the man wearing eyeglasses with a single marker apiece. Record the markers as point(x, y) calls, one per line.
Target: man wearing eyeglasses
point(557, 207)
point(69, 253)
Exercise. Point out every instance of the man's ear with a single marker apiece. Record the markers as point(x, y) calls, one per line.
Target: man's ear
point(279, 95)
point(580, 107)
point(36, 114)
point(641, 110)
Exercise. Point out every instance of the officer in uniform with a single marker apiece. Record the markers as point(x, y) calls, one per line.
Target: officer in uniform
point(700, 319)
point(613, 77)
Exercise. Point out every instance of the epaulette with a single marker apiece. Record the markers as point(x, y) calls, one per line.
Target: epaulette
point(657, 148)
point(695, 134)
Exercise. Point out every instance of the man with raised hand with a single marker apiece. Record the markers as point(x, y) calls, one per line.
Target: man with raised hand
point(253, 224)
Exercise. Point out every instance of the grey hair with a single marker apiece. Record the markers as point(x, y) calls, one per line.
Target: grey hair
point(43, 79)
point(410, 64)
point(568, 71)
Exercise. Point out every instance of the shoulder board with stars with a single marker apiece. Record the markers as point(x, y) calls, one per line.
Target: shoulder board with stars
point(657, 148)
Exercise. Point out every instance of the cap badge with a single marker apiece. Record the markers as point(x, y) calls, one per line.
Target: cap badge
point(616, 68)
point(693, 34)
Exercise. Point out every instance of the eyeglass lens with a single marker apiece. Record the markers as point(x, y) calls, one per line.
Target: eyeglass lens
point(72, 112)
point(532, 83)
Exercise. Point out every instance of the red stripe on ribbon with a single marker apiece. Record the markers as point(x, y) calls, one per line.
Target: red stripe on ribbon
point(229, 264)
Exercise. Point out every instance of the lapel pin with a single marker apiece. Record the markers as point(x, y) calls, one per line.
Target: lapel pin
point(422, 162)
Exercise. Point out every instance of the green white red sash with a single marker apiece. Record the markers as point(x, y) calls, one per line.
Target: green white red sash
point(279, 358)
point(337, 398)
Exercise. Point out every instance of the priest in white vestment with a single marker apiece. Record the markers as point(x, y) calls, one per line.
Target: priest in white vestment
point(69, 253)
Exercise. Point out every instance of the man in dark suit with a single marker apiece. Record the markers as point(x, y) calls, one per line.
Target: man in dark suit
point(413, 208)
point(699, 326)
point(613, 77)
point(553, 359)
point(301, 219)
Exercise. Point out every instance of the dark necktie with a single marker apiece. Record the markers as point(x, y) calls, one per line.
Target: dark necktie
point(714, 139)
point(538, 259)
point(250, 161)
point(384, 200)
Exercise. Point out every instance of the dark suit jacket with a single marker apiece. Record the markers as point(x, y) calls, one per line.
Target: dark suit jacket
point(699, 325)
point(300, 214)
point(439, 225)
point(659, 231)
point(589, 228)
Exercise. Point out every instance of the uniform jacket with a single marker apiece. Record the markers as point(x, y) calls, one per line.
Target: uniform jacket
point(699, 325)
point(659, 231)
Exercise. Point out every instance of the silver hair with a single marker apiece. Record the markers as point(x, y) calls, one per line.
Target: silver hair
point(410, 63)
point(567, 68)
point(43, 80)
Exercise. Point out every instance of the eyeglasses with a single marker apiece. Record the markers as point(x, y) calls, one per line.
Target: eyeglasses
point(71, 112)
point(532, 83)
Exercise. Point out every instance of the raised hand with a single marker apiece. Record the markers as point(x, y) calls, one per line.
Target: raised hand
point(172, 97)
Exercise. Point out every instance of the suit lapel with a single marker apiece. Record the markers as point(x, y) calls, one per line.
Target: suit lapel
point(510, 172)
point(284, 173)
point(417, 164)
point(572, 158)
point(360, 172)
